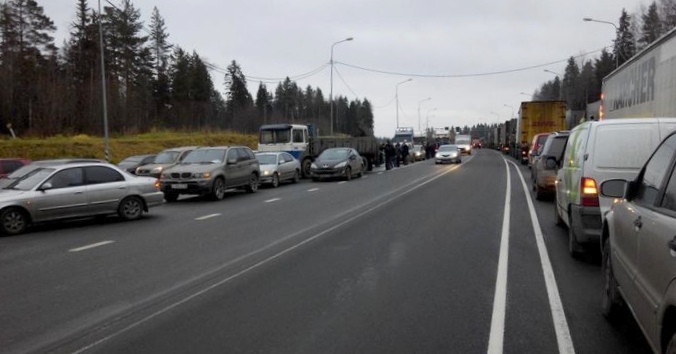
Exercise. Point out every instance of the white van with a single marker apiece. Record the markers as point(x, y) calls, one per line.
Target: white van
point(597, 151)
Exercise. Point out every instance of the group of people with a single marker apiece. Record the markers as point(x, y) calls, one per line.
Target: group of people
point(395, 154)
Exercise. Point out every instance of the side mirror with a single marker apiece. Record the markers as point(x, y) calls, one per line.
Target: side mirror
point(551, 163)
point(46, 186)
point(614, 188)
point(353, 157)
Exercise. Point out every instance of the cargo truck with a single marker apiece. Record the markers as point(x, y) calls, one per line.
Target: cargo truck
point(537, 117)
point(303, 142)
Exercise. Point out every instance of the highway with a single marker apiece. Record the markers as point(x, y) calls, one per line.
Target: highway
point(424, 258)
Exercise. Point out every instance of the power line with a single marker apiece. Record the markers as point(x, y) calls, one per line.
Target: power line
point(346, 84)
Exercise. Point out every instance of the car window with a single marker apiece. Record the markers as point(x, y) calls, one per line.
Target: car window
point(101, 174)
point(205, 156)
point(266, 159)
point(243, 155)
point(654, 172)
point(557, 145)
point(166, 157)
point(232, 154)
point(297, 136)
point(288, 157)
point(148, 159)
point(71, 177)
point(669, 200)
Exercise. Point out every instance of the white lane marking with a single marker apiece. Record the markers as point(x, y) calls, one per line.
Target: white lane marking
point(497, 333)
point(563, 338)
point(380, 173)
point(342, 182)
point(269, 259)
point(98, 244)
point(313, 190)
point(272, 200)
point(207, 217)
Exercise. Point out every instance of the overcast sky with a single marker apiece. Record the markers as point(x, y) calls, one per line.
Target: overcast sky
point(275, 39)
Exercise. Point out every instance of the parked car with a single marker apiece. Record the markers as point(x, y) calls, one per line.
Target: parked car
point(417, 152)
point(545, 164)
point(9, 165)
point(210, 171)
point(597, 151)
point(337, 162)
point(75, 190)
point(448, 153)
point(536, 144)
point(131, 163)
point(24, 170)
point(639, 246)
point(277, 167)
point(165, 159)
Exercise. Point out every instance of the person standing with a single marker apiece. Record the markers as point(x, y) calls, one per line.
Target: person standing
point(389, 155)
point(397, 153)
point(404, 153)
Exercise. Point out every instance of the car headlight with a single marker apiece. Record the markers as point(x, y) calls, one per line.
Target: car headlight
point(205, 175)
point(313, 165)
point(266, 172)
point(437, 155)
point(156, 170)
point(341, 165)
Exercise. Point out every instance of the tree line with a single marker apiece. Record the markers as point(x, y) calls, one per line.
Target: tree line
point(150, 83)
point(582, 79)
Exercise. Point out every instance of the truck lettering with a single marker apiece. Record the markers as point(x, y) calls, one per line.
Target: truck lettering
point(635, 85)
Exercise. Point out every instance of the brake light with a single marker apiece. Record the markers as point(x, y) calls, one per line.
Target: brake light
point(158, 184)
point(590, 194)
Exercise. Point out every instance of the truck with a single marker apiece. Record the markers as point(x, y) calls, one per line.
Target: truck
point(643, 86)
point(441, 136)
point(304, 143)
point(464, 143)
point(537, 117)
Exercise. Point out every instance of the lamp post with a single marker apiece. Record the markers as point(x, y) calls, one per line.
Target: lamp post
point(617, 30)
point(106, 141)
point(331, 93)
point(427, 118)
point(419, 102)
point(396, 96)
point(553, 72)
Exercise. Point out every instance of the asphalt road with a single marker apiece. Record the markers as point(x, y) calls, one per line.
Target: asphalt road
point(420, 259)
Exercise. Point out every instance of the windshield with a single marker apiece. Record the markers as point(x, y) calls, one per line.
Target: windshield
point(275, 136)
point(31, 180)
point(205, 156)
point(266, 159)
point(335, 154)
point(448, 148)
point(22, 171)
point(131, 160)
point(167, 157)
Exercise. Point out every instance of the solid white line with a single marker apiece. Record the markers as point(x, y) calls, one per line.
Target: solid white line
point(497, 334)
point(380, 173)
point(272, 200)
point(313, 189)
point(341, 182)
point(207, 217)
point(563, 338)
point(99, 244)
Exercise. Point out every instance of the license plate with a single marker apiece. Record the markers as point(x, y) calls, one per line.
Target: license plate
point(179, 186)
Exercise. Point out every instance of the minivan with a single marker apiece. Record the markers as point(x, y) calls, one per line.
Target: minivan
point(543, 171)
point(597, 151)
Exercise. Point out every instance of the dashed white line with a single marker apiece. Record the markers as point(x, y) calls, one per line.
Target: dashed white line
point(313, 190)
point(342, 182)
point(93, 245)
point(207, 217)
point(272, 200)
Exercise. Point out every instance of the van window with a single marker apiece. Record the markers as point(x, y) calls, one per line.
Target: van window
point(557, 145)
point(298, 136)
point(622, 147)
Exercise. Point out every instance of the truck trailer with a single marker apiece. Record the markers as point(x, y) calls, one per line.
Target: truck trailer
point(537, 117)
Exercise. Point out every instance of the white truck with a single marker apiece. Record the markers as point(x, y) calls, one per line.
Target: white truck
point(464, 142)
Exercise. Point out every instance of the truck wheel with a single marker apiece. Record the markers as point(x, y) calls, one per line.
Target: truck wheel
point(369, 164)
point(611, 299)
point(305, 168)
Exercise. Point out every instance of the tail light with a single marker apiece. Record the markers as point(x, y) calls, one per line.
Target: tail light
point(589, 193)
point(158, 184)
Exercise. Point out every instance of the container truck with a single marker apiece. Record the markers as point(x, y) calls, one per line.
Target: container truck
point(537, 117)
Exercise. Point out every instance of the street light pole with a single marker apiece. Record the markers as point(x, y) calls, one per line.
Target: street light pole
point(427, 118)
point(331, 93)
point(419, 102)
point(106, 141)
point(617, 30)
point(396, 97)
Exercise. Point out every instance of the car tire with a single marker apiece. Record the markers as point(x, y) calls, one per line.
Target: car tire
point(14, 221)
point(131, 208)
point(275, 180)
point(348, 174)
point(296, 176)
point(170, 197)
point(573, 245)
point(611, 300)
point(305, 167)
point(253, 184)
point(218, 189)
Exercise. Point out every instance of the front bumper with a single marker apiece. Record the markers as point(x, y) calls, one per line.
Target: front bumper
point(328, 172)
point(447, 159)
point(187, 186)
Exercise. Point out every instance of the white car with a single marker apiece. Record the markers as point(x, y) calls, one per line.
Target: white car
point(277, 167)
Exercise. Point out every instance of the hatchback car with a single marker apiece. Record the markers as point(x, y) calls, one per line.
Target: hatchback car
point(9, 165)
point(639, 247)
point(131, 163)
point(165, 159)
point(210, 171)
point(76, 190)
point(448, 153)
point(337, 162)
point(277, 167)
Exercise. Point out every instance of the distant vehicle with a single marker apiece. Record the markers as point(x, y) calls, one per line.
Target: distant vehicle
point(131, 163)
point(210, 171)
point(165, 159)
point(538, 117)
point(405, 135)
point(277, 167)
point(75, 190)
point(337, 163)
point(464, 143)
point(304, 143)
point(590, 158)
point(448, 153)
point(537, 143)
point(9, 165)
point(546, 162)
point(24, 170)
point(639, 247)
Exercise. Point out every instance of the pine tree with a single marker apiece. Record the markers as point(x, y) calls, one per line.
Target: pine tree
point(667, 11)
point(625, 43)
point(652, 26)
point(571, 88)
point(239, 101)
point(160, 47)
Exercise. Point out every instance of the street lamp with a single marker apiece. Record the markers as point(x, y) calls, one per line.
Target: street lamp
point(419, 102)
point(331, 93)
point(617, 30)
point(427, 118)
point(525, 94)
point(396, 96)
point(106, 141)
point(553, 72)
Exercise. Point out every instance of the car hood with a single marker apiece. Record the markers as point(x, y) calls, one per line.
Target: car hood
point(155, 165)
point(10, 194)
point(193, 168)
point(330, 162)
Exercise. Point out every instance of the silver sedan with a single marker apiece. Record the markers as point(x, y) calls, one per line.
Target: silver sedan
point(277, 167)
point(58, 192)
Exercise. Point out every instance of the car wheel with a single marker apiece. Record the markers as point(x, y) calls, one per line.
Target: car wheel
point(170, 197)
point(557, 218)
point(573, 245)
point(361, 172)
point(253, 184)
point(296, 176)
point(275, 180)
point(348, 174)
point(14, 221)
point(612, 299)
point(131, 208)
point(306, 167)
point(218, 189)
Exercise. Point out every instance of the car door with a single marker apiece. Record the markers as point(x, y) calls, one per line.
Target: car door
point(233, 168)
point(66, 198)
point(568, 176)
point(106, 187)
point(655, 227)
point(286, 165)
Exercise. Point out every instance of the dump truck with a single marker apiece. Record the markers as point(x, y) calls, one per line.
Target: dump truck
point(537, 117)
